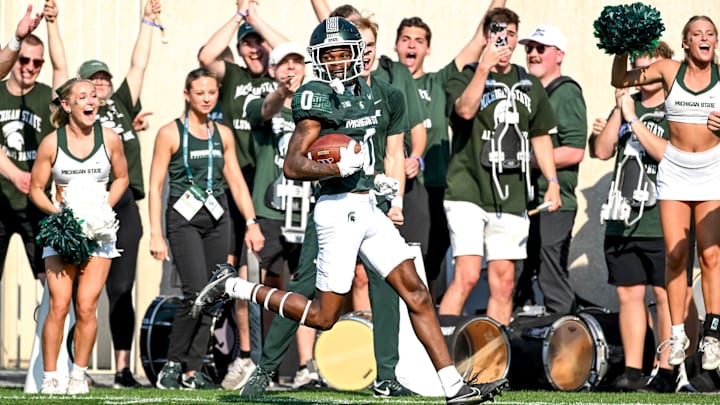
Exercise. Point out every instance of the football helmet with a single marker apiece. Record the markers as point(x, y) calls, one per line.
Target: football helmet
point(336, 32)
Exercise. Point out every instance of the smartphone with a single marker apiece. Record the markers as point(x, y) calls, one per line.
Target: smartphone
point(501, 30)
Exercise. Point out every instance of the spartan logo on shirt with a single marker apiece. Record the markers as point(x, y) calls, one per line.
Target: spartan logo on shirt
point(110, 118)
point(425, 95)
point(14, 146)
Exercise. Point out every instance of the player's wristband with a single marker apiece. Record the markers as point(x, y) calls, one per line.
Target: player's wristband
point(397, 202)
point(251, 221)
point(553, 179)
point(421, 162)
point(14, 43)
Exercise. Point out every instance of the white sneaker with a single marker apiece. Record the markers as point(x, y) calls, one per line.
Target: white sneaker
point(710, 347)
point(304, 377)
point(683, 384)
point(239, 371)
point(51, 386)
point(77, 386)
point(677, 345)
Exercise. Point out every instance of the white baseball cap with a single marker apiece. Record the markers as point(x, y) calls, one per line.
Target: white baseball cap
point(547, 35)
point(286, 48)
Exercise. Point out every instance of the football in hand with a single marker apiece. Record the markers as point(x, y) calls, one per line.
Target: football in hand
point(326, 149)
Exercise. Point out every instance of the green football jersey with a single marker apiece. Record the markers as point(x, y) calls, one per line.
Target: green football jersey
point(25, 121)
point(238, 88)
point(118, 114)
point(649, 225)
point(346, 113)
point(467, 178)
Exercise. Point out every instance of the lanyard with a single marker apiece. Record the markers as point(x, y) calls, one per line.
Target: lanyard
point(208, 189)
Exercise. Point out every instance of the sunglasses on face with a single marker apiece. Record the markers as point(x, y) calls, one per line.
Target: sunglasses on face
point(24, 60)
point(539, 47)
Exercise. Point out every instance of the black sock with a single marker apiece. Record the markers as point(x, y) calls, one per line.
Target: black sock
point(244, 354)
point(712, 325)
point(302, 367)
point(633, 374)
point(666, 374)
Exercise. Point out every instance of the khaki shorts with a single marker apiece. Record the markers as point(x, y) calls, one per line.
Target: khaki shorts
point(476, 232)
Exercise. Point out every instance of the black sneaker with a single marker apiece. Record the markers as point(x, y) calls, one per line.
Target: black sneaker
point(258, 382)
point(627, 384)
point(198, 381)
point(478, 393)
point(169, 377)
point(213, 290)
point(659, 384)
point(125, 379)
point(391, 388)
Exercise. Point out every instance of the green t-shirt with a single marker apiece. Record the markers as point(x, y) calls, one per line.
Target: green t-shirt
point(392, 117)
point(238, 88)
point(341, 113)
point(198, 151)
point(649, 225)
point(569, 106)
point(468, 179)
point(270, 141)
point(118, 114)
point(431, 87)
point(24, 121)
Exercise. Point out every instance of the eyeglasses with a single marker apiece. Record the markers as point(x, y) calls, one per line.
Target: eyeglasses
point(24, 60)
point(539, 47)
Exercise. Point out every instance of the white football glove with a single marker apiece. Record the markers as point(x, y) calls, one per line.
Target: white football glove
point(386, 186)
point(350, 162)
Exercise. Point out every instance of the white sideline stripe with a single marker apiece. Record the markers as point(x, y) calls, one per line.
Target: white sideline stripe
point(104, 399)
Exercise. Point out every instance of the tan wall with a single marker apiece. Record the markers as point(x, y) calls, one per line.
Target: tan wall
point(106, 29)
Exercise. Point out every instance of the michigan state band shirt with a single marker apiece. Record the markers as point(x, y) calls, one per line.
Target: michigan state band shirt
point(118, 114)
point(24, 121)
point(239, 87)
point(467, 179)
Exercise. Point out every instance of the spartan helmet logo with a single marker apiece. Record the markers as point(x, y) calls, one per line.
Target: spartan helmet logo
point(499, 113)
point(13, 133)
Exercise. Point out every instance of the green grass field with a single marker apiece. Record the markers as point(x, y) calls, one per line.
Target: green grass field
point(153, 396)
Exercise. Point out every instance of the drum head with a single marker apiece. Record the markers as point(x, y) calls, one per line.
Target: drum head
point(344, 355)
point(568, 351)
point(482, 349)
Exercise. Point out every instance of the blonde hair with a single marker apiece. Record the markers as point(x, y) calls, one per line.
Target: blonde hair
point(59, 117)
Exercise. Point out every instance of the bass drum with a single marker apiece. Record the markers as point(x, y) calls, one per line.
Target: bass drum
point(223, 348)
point(345, 355)
point(479, 347)
point(571, 352)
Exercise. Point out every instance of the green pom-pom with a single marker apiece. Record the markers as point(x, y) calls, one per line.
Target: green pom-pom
point(63, 233)
point(629, 28)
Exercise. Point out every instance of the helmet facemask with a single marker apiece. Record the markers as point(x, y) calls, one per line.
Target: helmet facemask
point(336, 32)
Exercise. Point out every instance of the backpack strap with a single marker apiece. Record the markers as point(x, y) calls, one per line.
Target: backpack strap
point(557, 82)
point(387, 64)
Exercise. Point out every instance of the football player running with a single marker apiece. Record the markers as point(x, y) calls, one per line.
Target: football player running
point(347, 220)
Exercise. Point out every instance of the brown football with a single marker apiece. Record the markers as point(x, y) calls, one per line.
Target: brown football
point(326, 149)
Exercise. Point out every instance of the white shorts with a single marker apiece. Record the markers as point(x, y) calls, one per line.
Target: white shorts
point(689, 176)
point(105, 249)
point(476, 232)
point(350, 224)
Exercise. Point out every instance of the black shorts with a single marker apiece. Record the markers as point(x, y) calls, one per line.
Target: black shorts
point(277, 251)
point(633, 261)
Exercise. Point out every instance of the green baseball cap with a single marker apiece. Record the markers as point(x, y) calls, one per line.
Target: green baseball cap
point(91, 67)
point(245, 30)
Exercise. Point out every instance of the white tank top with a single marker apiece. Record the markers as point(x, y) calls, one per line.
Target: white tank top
point(67, 167)
point(690, 107)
